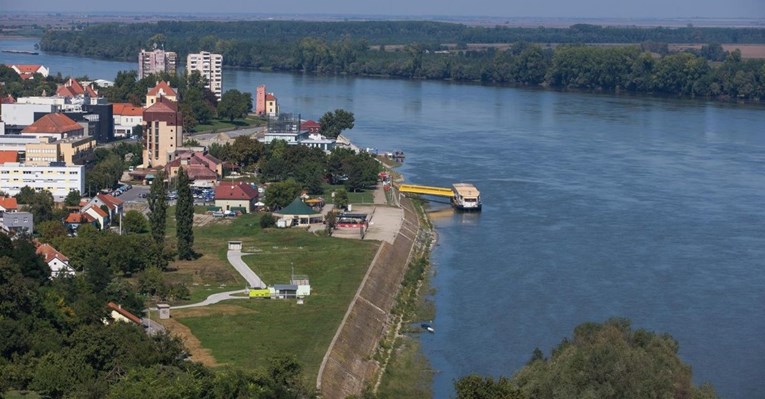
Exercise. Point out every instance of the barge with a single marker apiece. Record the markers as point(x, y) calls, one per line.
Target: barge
point(466, 197)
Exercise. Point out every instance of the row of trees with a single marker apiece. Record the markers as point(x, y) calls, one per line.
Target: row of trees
point(645, 67)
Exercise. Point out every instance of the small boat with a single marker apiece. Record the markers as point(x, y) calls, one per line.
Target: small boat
point(428, 327)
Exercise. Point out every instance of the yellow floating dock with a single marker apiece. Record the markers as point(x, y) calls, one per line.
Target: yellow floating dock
point(427, 190)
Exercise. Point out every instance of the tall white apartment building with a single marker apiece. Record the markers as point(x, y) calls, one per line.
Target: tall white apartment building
point(155, 61)
point(211, 67)
point(59, 180)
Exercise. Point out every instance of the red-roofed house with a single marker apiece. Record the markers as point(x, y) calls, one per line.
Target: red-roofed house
point(236, 195)
point(8, 204)
point(203, 169)
point(28, 71)
point(74, 220)
point(58, 263)
point(161, 89)
point(119, 314)
point(99, 215)
point(114, 205)
point(126, 116)
point(272, 106)
point(310, 126)
point(9, 156)
point(58, 126)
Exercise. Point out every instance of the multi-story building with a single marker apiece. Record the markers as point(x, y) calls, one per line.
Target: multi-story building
point(163, 132)
point(156, 61)
point(58, 126)
point(71, 151)
point(210, 66)
point(59, 180)
point(126, 116)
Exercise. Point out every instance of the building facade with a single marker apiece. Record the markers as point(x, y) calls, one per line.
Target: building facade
point(163, 132)
point(156, 61)
point(210, 66)
point(59, 180)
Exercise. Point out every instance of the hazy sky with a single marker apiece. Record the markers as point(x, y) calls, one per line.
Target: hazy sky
point(494, 8)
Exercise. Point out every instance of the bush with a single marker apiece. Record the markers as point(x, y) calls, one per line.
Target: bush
point(267, 220)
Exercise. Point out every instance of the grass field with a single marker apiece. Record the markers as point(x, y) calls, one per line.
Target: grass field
point(362, 197)
point(218, 124)
point(246, 333)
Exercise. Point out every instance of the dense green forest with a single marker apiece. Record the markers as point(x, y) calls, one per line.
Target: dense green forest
point(641, 63)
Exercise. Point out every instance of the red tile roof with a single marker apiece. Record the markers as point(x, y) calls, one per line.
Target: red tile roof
point(63, 91)
point(270, 97)
point(53, 123)
point(9, 156)
point(30, 68)
point(309, 124)
point(98, 211)
point(126, 109)
point(162, 106)
point(117, 308)
point(90, 91)
point(109, 200)
point(7, 99)
point(50, 253)
point(235, 191)
point(164, 87)
point(74, 218)
point(8, 203)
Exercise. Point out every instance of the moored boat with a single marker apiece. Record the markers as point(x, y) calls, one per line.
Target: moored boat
point(466, 197)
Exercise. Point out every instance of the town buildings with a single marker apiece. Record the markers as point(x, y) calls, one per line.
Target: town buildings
point(126, 117)
point(156, 61)
point(240, 196)
point(28, 71)
point(210, 66)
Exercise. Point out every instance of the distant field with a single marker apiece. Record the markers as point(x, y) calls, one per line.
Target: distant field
point(747, 50)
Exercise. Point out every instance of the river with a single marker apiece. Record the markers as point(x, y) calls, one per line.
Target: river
point(594, 206)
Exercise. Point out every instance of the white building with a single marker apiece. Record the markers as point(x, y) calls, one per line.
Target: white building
point(126, 117)
point(211, 67)
point(20, 114)
point(59, 180)
point(156, 61)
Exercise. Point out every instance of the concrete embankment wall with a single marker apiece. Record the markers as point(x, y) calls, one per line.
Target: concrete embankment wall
point(349, 365)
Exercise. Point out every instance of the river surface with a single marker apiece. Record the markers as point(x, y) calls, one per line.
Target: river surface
point(594, 206)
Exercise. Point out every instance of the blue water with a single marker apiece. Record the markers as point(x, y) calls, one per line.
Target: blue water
point(594, 206)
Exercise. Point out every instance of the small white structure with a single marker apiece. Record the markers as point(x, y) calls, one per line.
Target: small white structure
point(234, 245)
point(164, 310)
point(303, 285)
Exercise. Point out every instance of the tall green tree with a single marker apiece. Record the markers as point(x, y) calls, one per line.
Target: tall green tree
point(157, 200)
point(234, 105)
point(134, 222)
point(279, 195)
point(333, 123)
point(184, 217)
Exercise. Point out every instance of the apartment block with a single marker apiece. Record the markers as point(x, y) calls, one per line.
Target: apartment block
point(156, 61)
point(59, 180)
point(211, 67)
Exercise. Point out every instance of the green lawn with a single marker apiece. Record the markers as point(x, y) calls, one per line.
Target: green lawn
point(247, 333)
point(362, 197)
point(225, 124)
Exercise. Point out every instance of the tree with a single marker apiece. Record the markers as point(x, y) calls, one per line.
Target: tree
point(234, 105)
point(477, 387)
point(245, 150)
point(184, 217)
point(333, 123)
point(341, 199)
point(50, 230)
point(157, 200)
point(279, 195)
point(610, 360)
point(331, 222)
point(73, 198)
point(267, 220)
point(134, 222)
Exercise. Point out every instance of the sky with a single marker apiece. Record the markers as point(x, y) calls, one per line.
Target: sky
point(494, 8)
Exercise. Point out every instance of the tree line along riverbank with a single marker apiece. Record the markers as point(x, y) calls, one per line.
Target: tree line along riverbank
point(626, 59)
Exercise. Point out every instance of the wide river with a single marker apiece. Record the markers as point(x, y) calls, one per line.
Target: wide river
point(595, 206)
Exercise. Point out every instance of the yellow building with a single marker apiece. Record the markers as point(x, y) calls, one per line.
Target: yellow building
point(71, 151)
point(162, 89)
point(163, 132)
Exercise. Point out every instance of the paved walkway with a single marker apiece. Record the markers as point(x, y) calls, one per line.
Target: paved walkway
point(235, 258)
point(215, 298)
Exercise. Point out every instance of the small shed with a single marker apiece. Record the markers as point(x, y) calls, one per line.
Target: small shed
point(234, 245)
point(164, 310)
point(283, 291)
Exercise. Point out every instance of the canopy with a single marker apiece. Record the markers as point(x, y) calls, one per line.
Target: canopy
point(297, 207)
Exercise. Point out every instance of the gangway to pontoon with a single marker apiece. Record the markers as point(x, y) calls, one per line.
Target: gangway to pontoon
point(427, 190)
